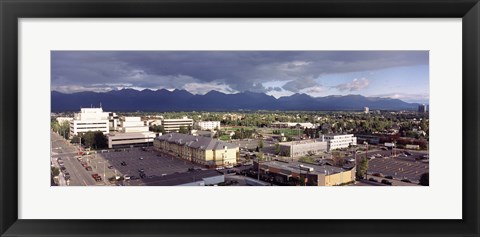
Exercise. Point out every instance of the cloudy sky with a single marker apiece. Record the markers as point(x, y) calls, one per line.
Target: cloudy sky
point(396, 74)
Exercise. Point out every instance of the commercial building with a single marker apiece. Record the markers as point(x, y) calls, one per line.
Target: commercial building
point(309, 174)
point(302, 148)
point(112, 121)
point(366, 110)
point(131, 133)
point(89, 119)
point(207, 125)
point(173, 125)
point(339, 141)
point(201, 150)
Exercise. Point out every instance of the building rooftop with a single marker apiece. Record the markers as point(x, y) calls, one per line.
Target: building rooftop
point(294, 167)
point(300, 142)
point(204, 143)
point(177, 178)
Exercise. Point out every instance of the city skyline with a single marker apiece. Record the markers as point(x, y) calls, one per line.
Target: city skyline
point(389, 74)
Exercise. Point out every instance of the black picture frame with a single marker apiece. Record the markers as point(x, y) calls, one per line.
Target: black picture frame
point(11, 11)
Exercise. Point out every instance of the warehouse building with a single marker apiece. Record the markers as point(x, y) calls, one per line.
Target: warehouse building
point(302, 148)
point(307, 174)
point(201, 150)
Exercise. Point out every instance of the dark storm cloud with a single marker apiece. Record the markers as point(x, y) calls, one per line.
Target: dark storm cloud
point(227, 71)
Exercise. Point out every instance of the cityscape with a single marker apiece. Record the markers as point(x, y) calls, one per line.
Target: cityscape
point(239, 118)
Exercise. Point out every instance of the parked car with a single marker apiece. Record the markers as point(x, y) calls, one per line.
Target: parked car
point(406, 180)
point(88, 168)
point(372, 179)
point(110, 167)
point(123, 163)
point(389, 177)
point(141, 170)
point(141, 158)
point(378, 174)
point(384, 181)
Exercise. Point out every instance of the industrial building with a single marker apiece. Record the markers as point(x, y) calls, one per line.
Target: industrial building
point(302, 147)
point(207, 125)
point(173, 125)
point(201, 150)
point(131, 133)
point(89, 119)
point(339, 141)
point(309, 174)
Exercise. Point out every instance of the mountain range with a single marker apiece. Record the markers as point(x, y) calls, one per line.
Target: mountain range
point(182, 100)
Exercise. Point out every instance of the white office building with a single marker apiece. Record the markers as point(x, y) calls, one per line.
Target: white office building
point(132, 132)
point(366, 110)
point(339, 141)
point(207, 125)
point(173, 125)
point(89, 119)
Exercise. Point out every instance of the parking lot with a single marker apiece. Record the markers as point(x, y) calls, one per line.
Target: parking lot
point(399, 169)
point(151, 162)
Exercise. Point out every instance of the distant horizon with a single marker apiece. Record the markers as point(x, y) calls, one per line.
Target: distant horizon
point(400, 75)
point(300, 93)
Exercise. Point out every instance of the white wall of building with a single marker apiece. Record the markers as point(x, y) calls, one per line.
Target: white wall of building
point(207, 125)
point(89, 119)
point(340, 141)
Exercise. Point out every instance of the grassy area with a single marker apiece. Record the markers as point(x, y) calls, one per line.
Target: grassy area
point(224, 137)
point(307, 159)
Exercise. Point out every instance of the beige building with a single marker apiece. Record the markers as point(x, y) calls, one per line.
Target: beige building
point(301, 173)
point(201, 150)
point(173, 125)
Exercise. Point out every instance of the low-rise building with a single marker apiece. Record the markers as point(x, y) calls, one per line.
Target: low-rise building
point(201, 150)
point(302, 173)
point(339, 141)
point(207, 125)
point(173, 125)
point(132, 133)
point(302, 147)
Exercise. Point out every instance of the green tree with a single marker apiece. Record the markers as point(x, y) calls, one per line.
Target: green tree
point(362, 168)
point(260, 144)
point(95, 140)
point(424, 179)
point(157, 129)
point(54, 171)
point(260, 156)
point(183, 130)
point(277, 149)
point(75, 139)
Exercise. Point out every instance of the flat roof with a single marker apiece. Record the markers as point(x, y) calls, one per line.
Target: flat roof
point(204, 143)
point(302, 142)
point(293, 166)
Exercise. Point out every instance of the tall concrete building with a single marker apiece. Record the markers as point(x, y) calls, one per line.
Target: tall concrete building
point(366, 110)
point(89, 119)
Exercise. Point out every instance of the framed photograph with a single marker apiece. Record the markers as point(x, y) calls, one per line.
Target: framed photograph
point(239, 118)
